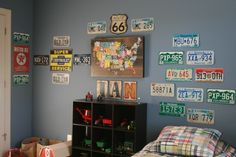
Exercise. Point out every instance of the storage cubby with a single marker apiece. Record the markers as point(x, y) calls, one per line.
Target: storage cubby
point(108, 128)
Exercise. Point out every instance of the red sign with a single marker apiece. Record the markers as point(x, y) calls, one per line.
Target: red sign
point(46, 152)
point(21, 57)
point(209, 74)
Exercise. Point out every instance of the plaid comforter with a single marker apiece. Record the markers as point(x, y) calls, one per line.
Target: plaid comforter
point(187, 141)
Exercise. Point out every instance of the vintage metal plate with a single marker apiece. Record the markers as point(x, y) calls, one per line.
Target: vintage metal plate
point(171, 57)
point(82, 59)
point(172, 109)
point(61, 41)
point(202, 116)
point(41, 59)
point(98, 27)
point(200, 57)
point(162, 89)
point(21, 38)
point(186, 40)
point(179, 74)
point(119, 23)
point(221, 96)
point(142, 25)
point(21, 79)
point(60, 78)
point(190, 94)
point(209, 74)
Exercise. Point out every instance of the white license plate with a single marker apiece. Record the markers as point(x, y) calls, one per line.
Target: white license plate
point(61, 41)
point(200, 116)
point(190, 94)
point(60, 78)
point(209, 74)
point(162, 89)
point(221, 96)
point(200, 57)
point(179, 74)
point(98, 27)
point(186, 40)
point(144, 24)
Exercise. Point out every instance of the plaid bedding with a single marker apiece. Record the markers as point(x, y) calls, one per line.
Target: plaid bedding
point(187, 141)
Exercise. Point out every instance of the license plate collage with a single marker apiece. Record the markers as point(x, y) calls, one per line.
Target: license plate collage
point(186, 66)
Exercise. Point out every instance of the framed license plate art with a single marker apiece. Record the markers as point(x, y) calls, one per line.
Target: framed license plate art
point(117, 57)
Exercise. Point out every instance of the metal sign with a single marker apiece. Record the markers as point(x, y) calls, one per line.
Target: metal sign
point(61, 41)
point(21, 79)
point(186, 40)
point(61, 60)
point(142, 25)
point(60, 78)
point(162, 89)
point(209, 74)
point(221, 96)
point(171, 57)
point(82, 59)
point(190, 94)
point(202, 116)
point(172, 109)
point(41, 59)
point(200, 57)
point(119, 23)
point(21, 38)
point(179, 74)
point(21, 58)
point(98, 27)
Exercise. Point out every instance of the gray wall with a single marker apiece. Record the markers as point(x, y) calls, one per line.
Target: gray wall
point(21, 107)
point(214, 20)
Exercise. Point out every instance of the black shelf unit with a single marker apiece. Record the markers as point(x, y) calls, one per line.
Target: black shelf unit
point(108, 128)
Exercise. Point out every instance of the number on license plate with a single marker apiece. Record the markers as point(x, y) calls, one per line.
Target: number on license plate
point(171, 58)
point(190, 94)
point(172, 109)
point(186, 40)
point(179, 74)
point(161, 89)
point(200, 116)
point(221, 96)
point(200, 57)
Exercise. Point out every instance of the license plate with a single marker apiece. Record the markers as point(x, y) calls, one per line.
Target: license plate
point(200, 116)
point(82, 59)
point(41, 59)
point(221, 96)
point(144, 24)
point(162, 89)
point(171, 57)
point(209, 74)
point(172, 109)
point(96, 27)
point(60, 78)
point(186, 40)
point(190, 94)
point(21, 79)
point(179, 74)
point(61, 41)
point(200, 57)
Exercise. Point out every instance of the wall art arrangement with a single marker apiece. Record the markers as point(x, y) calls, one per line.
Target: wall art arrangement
point(21, 58)
point(117, 56)
point(198, 74)
point(117, 89)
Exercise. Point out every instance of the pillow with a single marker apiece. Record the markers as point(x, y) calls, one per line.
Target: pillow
point(224, 149)
point(188, 141)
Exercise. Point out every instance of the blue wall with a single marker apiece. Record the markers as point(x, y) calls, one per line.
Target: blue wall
point(214, 20)
point(21, 107)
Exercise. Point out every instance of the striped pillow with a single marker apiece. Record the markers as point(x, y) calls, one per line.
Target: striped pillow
point(188, 141)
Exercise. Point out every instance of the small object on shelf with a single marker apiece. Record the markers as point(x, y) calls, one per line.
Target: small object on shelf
point(99, 98)
point(87, 142)
point(86, 114)
point(128, 147)
point(89, 96)
point(101, 145)
point(98, 121)
point(108, 150)
point(107, 122)
point(131, 125)
point(124, 123)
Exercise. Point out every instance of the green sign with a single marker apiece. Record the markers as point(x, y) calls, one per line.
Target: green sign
point(172, 109)
point(171, 57)
point(221, 96)
point(21, 79)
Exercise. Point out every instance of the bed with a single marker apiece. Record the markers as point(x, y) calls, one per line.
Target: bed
point(187, 141)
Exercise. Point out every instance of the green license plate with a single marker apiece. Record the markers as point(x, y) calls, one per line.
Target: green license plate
point(172, 109)
point(171, 57)
point(221, 96)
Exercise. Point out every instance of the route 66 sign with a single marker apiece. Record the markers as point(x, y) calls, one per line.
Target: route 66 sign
point(119, 23)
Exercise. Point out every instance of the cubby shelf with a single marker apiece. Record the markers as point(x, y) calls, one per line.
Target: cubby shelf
point(108, 128)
